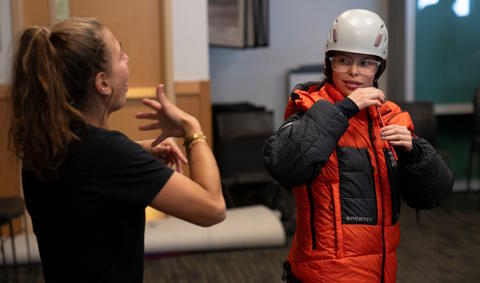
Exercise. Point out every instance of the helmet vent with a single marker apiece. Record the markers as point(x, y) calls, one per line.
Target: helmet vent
point(334, 35)
point(378, 40)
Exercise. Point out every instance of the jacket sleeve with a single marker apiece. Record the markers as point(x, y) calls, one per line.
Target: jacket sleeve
point(426, 178)
point(301, 147)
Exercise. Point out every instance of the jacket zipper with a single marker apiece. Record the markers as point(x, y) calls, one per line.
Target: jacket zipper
point(381, 195)
point(312, 215)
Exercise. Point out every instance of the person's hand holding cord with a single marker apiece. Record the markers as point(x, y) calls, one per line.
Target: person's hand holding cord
point(398, 136)
point(364, 97)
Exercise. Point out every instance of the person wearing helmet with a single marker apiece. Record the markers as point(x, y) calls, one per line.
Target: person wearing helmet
point(350, 155)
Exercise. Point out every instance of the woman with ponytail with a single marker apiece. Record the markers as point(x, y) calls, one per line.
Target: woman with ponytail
point(85, 186)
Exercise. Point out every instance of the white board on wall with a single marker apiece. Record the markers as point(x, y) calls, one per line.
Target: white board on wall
point(5, 40)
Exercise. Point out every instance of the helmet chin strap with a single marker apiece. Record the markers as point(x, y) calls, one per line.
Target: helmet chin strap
point(380, 71)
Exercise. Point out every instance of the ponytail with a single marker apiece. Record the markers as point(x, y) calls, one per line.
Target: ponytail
point(43, 115)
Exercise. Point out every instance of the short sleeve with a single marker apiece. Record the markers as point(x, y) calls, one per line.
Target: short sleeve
point(127, 173)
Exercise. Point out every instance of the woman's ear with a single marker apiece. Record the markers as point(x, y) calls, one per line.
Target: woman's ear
point(103, 84)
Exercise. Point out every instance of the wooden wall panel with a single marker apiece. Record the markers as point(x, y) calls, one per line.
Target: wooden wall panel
point(138, 26)
point(35, 12)
point(9, 168)
point(124, 121)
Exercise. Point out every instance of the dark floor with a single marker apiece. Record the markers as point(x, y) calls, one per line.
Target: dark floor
point(444, 247)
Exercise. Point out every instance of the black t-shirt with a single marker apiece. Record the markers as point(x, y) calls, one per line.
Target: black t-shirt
point(90, 222)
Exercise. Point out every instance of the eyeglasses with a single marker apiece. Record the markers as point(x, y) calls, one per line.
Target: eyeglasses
point(365, 67)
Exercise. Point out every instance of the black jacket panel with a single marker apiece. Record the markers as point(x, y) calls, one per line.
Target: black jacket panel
point(426, 180)
point(297, 151)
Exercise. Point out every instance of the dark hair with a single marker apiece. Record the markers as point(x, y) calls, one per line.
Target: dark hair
point(328, 72)
point(53, 73)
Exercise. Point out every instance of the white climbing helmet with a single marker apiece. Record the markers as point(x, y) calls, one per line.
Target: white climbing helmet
point(358, 31)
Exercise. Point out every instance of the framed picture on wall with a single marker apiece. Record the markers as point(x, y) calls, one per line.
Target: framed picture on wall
point(5, 40)
point(238, 23)
point(226, 22)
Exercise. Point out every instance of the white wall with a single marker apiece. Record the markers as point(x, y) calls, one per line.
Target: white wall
point(298, 30)
point(190, 40)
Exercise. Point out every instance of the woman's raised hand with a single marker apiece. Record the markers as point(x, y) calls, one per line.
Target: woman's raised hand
point(364, 97)
point(173, 121)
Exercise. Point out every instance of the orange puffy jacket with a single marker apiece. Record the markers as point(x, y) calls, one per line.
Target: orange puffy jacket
point(347, 192)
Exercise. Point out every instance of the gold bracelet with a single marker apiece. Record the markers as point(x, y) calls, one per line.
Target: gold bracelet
point(194, 142)
point(193, 137)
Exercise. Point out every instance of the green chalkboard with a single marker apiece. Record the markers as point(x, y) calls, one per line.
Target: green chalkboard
point(447, 50)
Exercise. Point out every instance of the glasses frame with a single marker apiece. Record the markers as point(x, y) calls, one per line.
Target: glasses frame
point(378, 63)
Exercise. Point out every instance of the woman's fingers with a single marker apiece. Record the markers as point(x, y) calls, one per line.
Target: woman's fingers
point(152, 103)
point(158, 140)
point(178, 153)
point(174, 150)
point(145, 115)
point(169, 154)
point(376, 96)
point(364, 97)
point(152, 126)
point(169, 117)
point(178, 166)
point(398, 136)
point(160, 90)
point(373, 93)
point(162, 99)
point(399, 143)
point(394, 129)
